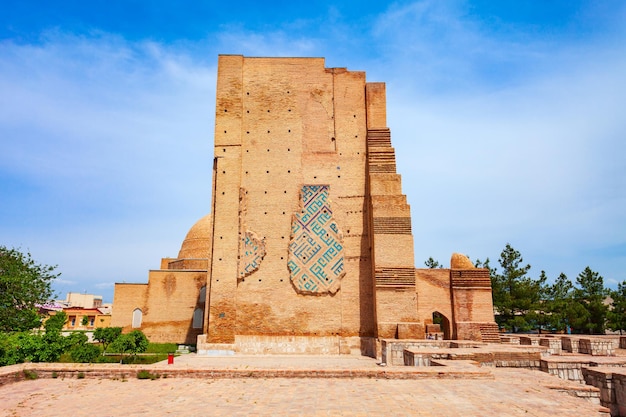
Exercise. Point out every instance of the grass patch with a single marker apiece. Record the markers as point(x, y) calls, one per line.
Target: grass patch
point(162, 348)
point(80, 375)
point(28, 374)
point(143, 374)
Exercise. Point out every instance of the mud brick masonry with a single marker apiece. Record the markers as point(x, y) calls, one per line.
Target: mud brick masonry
point(308, 247)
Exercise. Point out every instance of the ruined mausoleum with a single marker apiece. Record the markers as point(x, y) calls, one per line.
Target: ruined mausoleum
point(308, 247)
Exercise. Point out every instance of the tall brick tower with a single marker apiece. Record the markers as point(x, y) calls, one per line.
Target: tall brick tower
point(308, 247)
point(306, 194)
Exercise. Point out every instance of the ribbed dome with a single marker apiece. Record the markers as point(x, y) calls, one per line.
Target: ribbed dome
point(198, 240)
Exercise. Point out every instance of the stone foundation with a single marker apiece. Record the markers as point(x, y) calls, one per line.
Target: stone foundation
point(552, 343)
point(291, 345)
point(596, 347)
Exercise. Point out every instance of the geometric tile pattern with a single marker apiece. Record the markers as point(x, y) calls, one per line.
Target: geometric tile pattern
point(316, 258)
point(252, 251)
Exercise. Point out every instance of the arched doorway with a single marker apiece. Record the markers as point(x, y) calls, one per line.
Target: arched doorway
point(443, 323)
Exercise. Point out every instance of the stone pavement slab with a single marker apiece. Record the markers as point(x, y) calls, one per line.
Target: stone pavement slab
point(512, 392)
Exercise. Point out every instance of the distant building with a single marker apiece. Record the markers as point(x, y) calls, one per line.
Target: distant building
point(76, 299)
point(79, 318)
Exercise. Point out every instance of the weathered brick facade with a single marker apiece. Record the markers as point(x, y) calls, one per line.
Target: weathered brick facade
point(310, 235)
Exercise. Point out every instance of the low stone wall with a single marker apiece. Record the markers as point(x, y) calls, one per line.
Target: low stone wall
point(622, 342)
point(552, 343)
point(416, 359)
point(569, 344)
point(603, 379)
point(619, 387)
point(528, 340)
point(512, 340)
point(571, 371)
point(392, 350)
point(596, 347)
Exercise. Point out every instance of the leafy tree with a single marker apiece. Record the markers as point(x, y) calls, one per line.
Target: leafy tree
point(558, 299)
point(617, 313)
point(23, 285)
point(432, 264)
point(85, 353)
point(516, 297)
point(131, 343)
point(106, 335)
point(591, 294)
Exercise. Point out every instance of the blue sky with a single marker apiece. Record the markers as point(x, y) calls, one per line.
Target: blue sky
point(508, 120)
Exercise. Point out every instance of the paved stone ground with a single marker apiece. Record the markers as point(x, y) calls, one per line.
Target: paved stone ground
point(512, 392)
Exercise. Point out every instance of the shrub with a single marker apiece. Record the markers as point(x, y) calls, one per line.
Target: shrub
point(85, 353)
point(143, 374)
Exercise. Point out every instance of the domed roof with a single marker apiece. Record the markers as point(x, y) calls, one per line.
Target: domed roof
point(198, 240)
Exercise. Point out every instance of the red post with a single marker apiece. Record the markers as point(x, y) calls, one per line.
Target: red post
point(170, 358)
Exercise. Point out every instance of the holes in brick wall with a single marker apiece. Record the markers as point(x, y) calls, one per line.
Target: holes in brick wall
point(288, 171)
point(268, 111)
point(285, 192)
point(354, 115)
point(224, 131)
point(247, 111)
point(222, 192)
point(247, 93)
point(281, 258)
point(288, 149)
point(268, 131)
point(224, 150)
point(246, 172)
point(283, 212)
point(220, 237)
point(225, 111)
point(223, 172)
point(289, 110)
point(267, 172)
point(287, 91)
point(289, 130)
point(268, 150)
point(338, 176)
point(247, 132)
point(315, 177)
point(265, 192)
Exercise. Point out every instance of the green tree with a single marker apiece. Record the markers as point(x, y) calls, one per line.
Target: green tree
point(106, 336)
point(432, 264)
point(23, 285)
point(85, 353)
point(558, 303)
point(591, 294)
point(617, 313)
point(131, 343)
point(516, 297)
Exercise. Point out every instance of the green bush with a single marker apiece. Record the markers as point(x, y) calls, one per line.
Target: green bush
point(85, 353)
point(143, 374)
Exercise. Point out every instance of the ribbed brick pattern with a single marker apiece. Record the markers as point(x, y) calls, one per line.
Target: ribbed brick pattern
point(392, 225)
point(470, 278)
point(395, 277)
point(489, 332)
point(381, 156)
